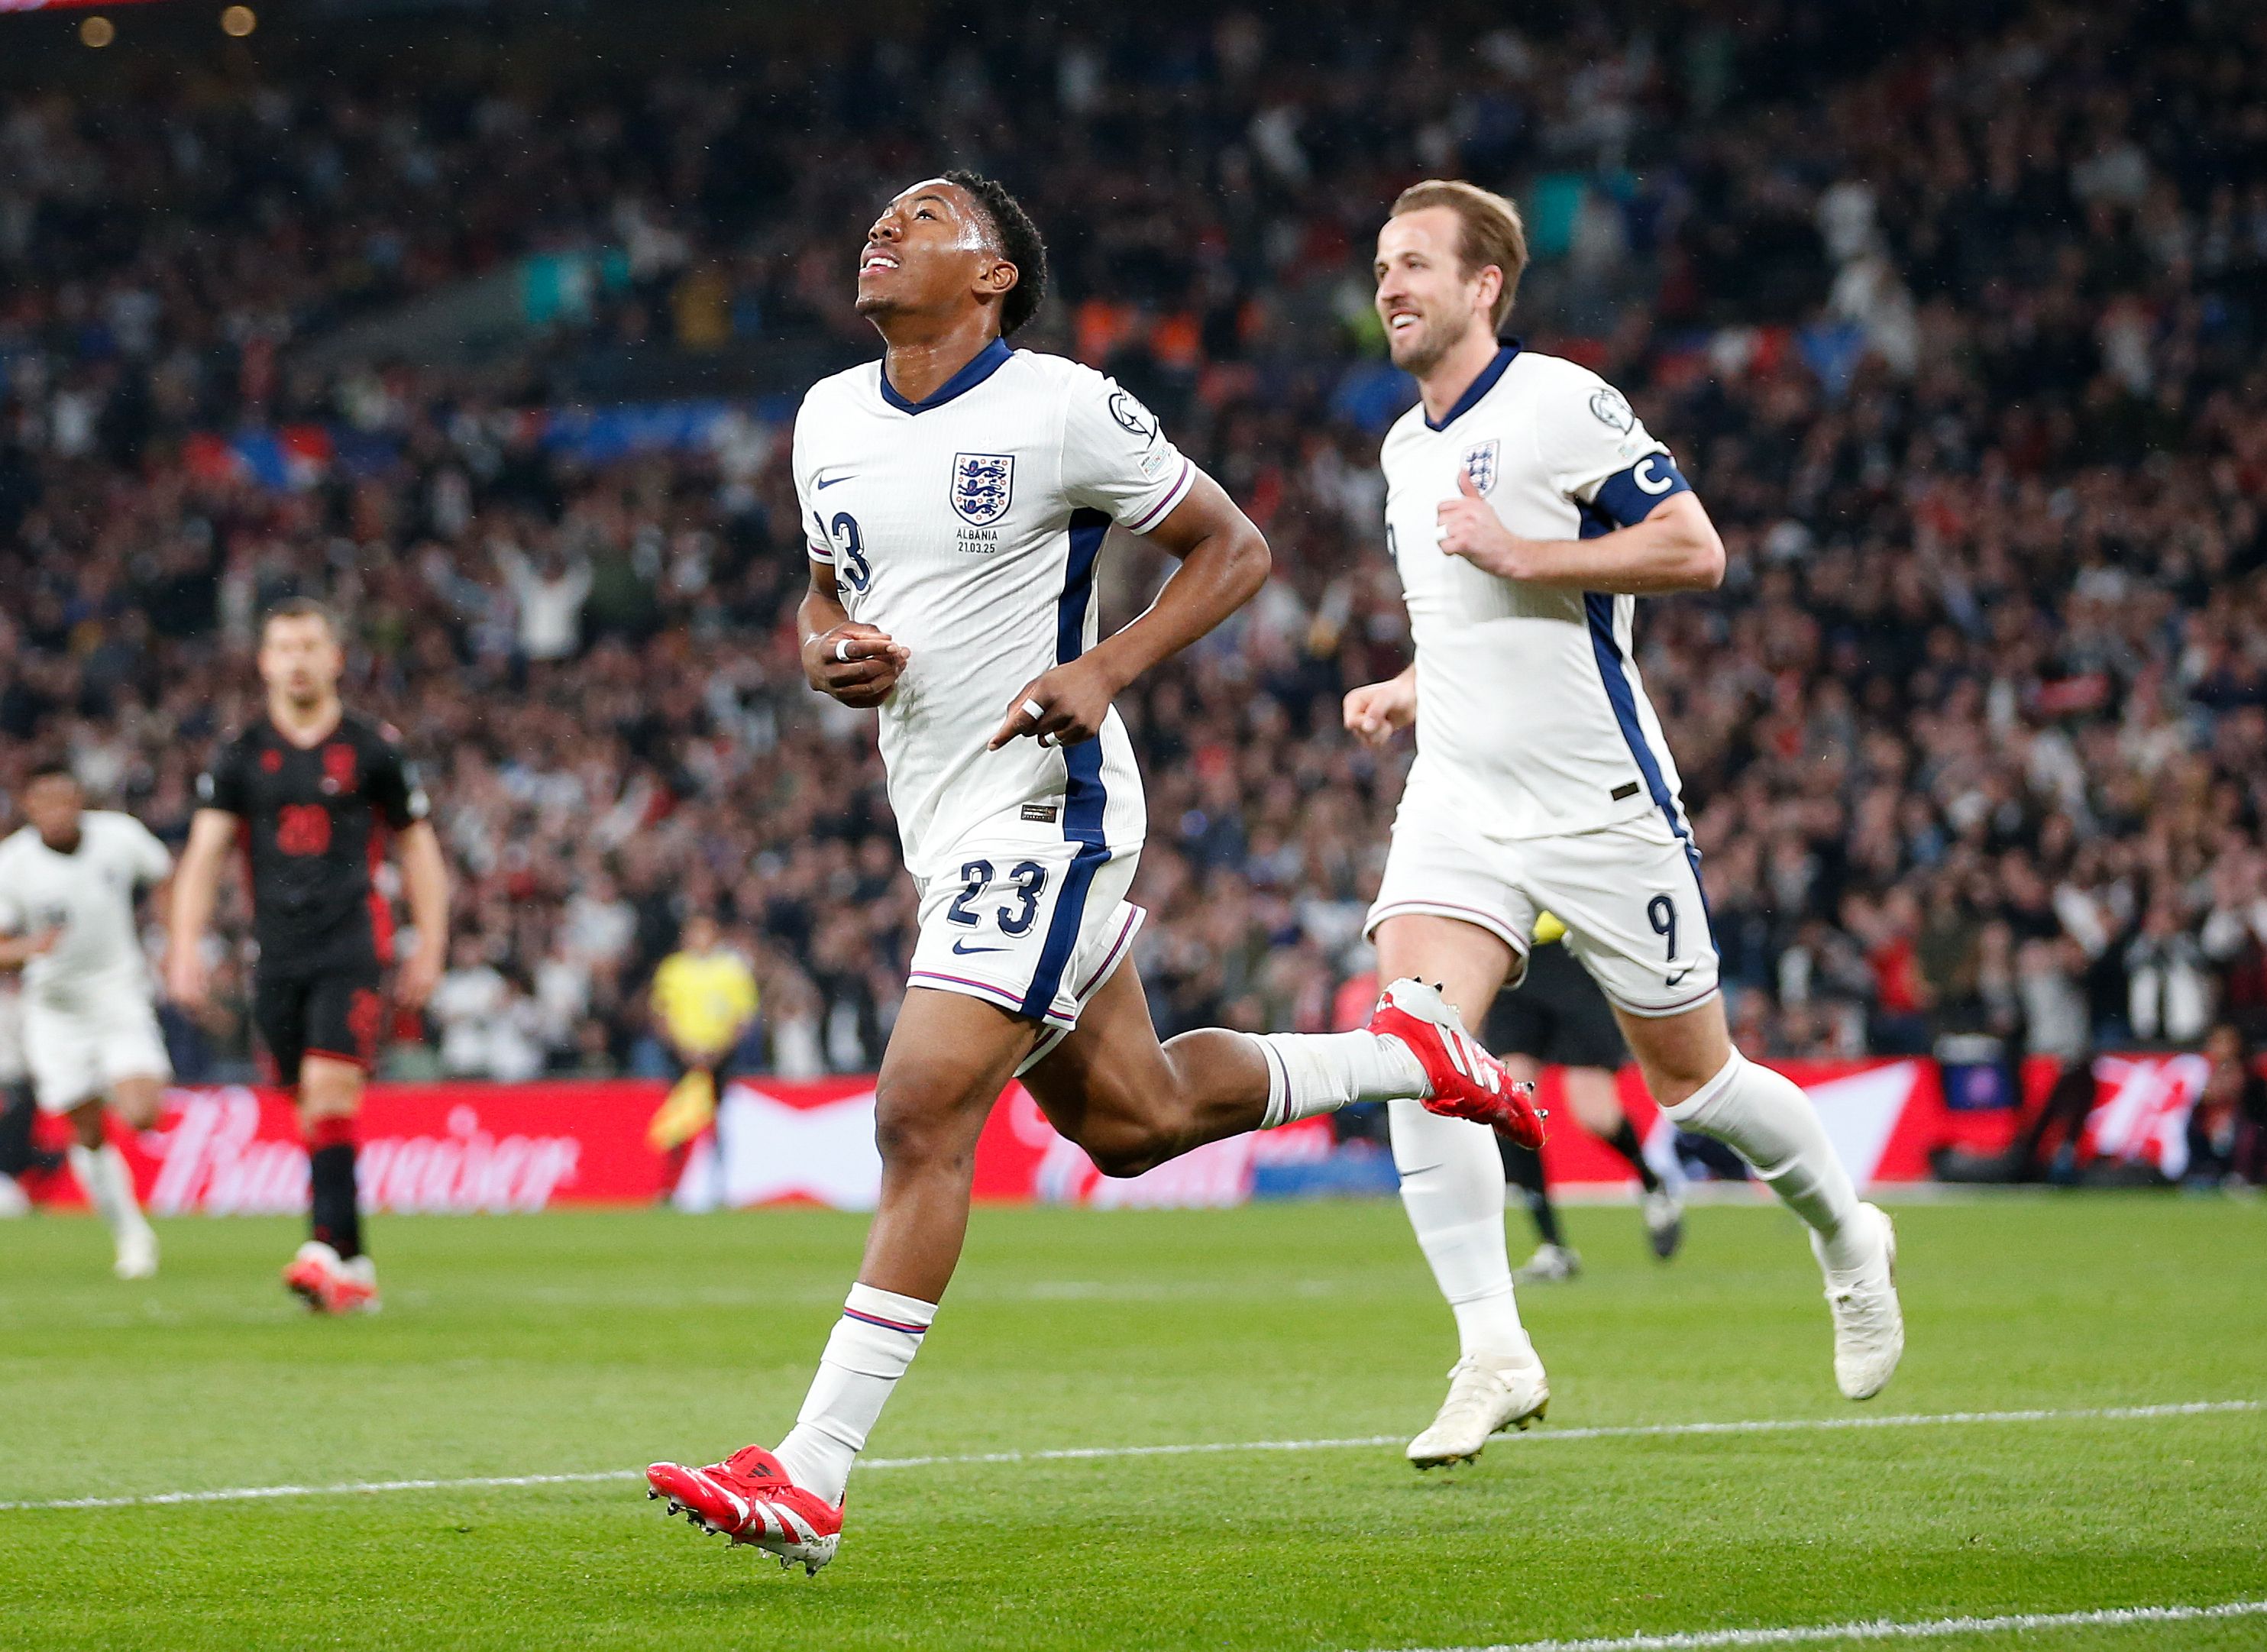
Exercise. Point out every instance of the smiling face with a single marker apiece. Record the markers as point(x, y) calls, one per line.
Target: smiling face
point(1427, 301)
point(930, 252)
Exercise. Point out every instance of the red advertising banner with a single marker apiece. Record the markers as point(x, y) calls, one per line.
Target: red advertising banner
point(454, 1149)
point(466, 1148)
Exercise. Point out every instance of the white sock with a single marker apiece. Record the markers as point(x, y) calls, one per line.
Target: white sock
point(1764, 1118)
point(1452, 1188)
point(109, 1187)
point(873, 1342)
point(1310, 1073)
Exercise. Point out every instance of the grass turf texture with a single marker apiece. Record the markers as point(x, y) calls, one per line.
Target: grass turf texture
point(567, 1342)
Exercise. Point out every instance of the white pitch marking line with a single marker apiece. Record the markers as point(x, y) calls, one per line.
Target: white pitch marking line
point(1884, 1629)
point(1085, 1453)
point(254, 1494)
point(1639, 1431)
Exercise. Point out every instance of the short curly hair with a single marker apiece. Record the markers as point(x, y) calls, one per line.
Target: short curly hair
point(1019, 244)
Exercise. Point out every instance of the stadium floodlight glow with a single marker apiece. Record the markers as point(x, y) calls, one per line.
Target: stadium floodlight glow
point(63, 5)
point(239, 21)
point(97, 31)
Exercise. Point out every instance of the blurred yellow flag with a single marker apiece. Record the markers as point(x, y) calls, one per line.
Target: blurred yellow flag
point(684, 1113)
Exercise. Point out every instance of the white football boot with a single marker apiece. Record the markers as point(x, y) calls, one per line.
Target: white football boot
point(1869, 1325)
point(137, 1254)
point(1487, 1394)
point(1551, 1265)
point(1664, 1222)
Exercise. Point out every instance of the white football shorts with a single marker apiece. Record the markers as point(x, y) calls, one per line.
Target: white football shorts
point(1032, 923)
point(1628, 894)
point(76, 1054)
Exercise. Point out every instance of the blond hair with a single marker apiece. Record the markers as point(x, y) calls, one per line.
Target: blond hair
point(1490, 232)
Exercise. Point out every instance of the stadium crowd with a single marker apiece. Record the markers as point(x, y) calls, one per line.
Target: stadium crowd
point(1963, 351)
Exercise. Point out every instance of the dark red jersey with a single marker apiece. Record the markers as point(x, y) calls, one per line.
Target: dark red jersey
point(315, 821)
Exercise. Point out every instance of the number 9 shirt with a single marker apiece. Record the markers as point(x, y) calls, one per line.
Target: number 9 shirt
point(1542, 780)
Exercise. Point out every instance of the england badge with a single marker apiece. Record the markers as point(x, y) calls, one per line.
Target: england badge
point(1479, 465)
point(982, 484)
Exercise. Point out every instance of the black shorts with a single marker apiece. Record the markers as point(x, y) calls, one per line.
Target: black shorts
point(1557, 1016)
point(338, 1011)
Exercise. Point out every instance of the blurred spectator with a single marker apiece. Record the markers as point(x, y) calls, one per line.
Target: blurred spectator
point(1963, 359)
point(2227, 1131)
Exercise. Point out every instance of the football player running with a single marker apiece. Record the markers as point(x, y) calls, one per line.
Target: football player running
point(1526, 508)
point(956, 495)
point(68, 882)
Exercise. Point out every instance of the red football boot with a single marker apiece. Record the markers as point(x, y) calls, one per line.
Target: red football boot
point(749, 1498)
point(327, 1284)
point(352, 1288)
point(1467, 1083)
point(309, 1273)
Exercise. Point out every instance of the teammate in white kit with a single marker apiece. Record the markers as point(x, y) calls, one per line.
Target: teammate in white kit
point(68, 882)
point(1526, 508)
point(956, 495)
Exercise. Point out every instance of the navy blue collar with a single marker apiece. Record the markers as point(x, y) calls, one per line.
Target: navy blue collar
point(1477, 388)
point(981, 366)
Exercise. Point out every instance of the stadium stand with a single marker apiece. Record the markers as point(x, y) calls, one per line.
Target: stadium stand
point(1963, 348)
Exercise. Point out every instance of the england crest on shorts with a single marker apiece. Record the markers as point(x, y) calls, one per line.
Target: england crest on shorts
point(1479, 465)
point(982, 484)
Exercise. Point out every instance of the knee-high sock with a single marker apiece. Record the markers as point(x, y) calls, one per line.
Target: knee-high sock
point(1524, 1166)
point(1624, 1141)
point(1310, 1073)
point(334, 1200)
point(873, 1342)
point(1452, 1188)
point(1764, 1118)
point(109, 1187)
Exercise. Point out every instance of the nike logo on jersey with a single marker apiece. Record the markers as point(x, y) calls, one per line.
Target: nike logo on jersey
point(964, 949)
point(1677, 979)
point(828, 481)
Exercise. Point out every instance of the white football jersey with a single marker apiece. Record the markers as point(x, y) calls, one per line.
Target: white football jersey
point(966, 526)
point(89, 895)
point(1531, 720)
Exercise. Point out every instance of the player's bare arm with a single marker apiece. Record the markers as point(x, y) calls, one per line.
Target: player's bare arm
point(855, 662)
point(196, 882)
point(1224, 562)
point(1675, 548)
point(1375, 712)
point(425, 879)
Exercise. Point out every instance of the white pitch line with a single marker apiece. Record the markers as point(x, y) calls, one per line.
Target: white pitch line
point(1542, 1436)
point(1883, 1629)
point(1086, 1453)
point(254, 1494)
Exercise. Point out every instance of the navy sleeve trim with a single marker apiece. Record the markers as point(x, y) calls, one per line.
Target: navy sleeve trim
point(1629, 496)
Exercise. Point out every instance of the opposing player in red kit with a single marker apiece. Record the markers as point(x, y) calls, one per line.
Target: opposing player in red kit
point(312, 793)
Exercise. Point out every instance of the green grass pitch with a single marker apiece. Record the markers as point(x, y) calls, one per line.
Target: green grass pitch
point(581, 1343)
